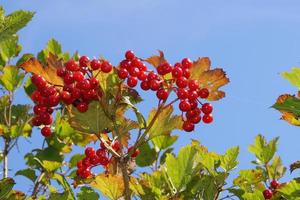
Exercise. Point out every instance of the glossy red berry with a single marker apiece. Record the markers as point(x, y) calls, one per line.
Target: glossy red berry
point(36, 121)
point(177, 72)
point(79, 164)
point(83, 61)
point(123, 73)
point(195, 119)
point(101, 153)
point(61, 72)
point(182, 93)
point(207, 118)
point(145, 85)
point(268, 193)
point(84, 84)
point(106, 67)
point(203, 93)
point(152, 75)
point(103, 161)
point(68, 79)
point(207, 108)
point(39, 109)
point(71, 65)
point(142, 76)
point(46, 118)
point(116, 145)
point(129, 55)
point(46, 131)
point(193, 85)
point(181, 82)
point(184, 106)
point(125, 64)
point(132, 81)
point(134, 71)
point(36, 96)
point(86, 162)
point(86, 173)
point(162, 94)
point(186, 63)
point(95, 64)
point(39, 81)
point(89, 152)
point(274, 184)
point(66, 97)
point(154, 85)
point(186, 72)
point(188, 126)
point(94, 82)
point(192, 113)
point(133, 154)
point(78, 76)
point(82, 107)
point(192, 95)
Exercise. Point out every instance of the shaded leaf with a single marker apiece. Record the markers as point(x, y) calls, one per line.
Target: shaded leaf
point(28, 173)
point(64, 183)
point(74, 159)
point(87, 193)
point(6, 186)
point(49, 158)
point(295, 165)
point(146, 156)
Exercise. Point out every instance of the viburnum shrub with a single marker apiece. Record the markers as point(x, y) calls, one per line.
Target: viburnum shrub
point(126, 154)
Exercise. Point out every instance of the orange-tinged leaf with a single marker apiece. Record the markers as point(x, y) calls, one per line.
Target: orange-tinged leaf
point(156, 60)
point(111, 186)
point(212, 79)
point(48, 71)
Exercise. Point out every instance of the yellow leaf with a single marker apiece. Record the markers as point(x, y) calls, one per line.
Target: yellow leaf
point(156, 60)
point(48, 72)
point(111, 186)
point(212, 79)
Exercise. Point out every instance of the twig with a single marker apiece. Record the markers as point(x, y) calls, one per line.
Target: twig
point(36, 186)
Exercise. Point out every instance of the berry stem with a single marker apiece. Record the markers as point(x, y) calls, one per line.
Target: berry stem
point(36, 186)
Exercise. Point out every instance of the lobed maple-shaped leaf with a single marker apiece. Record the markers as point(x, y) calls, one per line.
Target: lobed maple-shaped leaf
point(249, 178)
point(212, 79)
point(47, 71)
point(87, 193)
point(111, 186)
point(11, 78)
point(290, 190)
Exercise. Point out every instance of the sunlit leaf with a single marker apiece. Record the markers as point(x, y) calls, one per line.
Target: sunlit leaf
point(64, 183)
point(11, 78)
point(293, 77)
point(9, 48)
point(229, 159)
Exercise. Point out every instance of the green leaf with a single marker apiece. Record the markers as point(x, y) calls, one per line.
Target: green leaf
point(59, 196)
point(93, 121)
point(111, 186)
point(257, 195)
point(248, 178)
point(164, 123)
point(290, 190)
point(276, 169)
point(53, 47)
point(64, 183)
point(87, 193)
point(146, 156)
point(163, 157)
point(9, 48)
point(24, 58)
point(290, 104)
point(13, 22)
point(29, 87)
point(263, 150)
point(293, 77)
point(229, 160)
point(50, 159)
point(16, 195)
point(11, 78)
point(164, 142)
point(28, 173)
point(140, 118)
point(74, 159)
point(294, 166)
point(20, 130)
point(180, 170)
point(6, 186)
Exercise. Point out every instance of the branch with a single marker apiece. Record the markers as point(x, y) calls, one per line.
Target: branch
point(36, 186)
point(123, 165)
point(5, 157)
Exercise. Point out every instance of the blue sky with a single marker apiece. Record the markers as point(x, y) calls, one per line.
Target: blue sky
point(252, 40)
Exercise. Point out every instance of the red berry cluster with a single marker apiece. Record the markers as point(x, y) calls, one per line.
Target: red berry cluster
point(268, 193)
point(188, 91)
point(46, 97)
point(80, 88)
point(100, 157)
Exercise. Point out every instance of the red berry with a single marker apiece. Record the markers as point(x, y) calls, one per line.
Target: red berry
point(101, 153)
point(94, 160)
point(46, 131)
point(71, 65)
point(133, 154)
point(53, 100)
point(66, 97)
point(207, 118)
point(79, 164)
point(116, 145)
point(46, 118)
point(86, 162)
point(193, 84)
point(82, 107)
point(167, 67)
point(182, 93)
point(194, 104)
point(86, 173)
point(184, 106)
point(207, 108)
point(136, 63)
point(274, 184)
point(123, 73)
point(145, 85)
point(192, 95)
point(50, 110)
point(83, 61)
point(95, 64)
point(186, 63)
point(129, 55)
point(36, 121)
point(134, 71)
point(186, 72)
point(181, 82)
point(106, 67)
point(84, 84)
point(192, 113)
point(188, 126)
point(39, 81)
point(162, 94)
point(61, 72)
point(152, 75)
point(39, 109)
point(36, 96)
point(154, 85)
point(195, 119)
point(203, 93)
point(68, 79)
point(177, 72)
point(78, 76)
point(89, 152)
point(125, 64)
point(268, 193)
point(142, 76)
point(94, 82)
point(103, 161)
point(132, 81)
